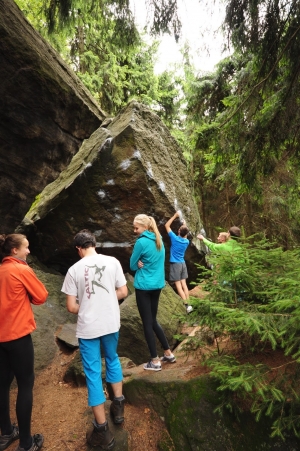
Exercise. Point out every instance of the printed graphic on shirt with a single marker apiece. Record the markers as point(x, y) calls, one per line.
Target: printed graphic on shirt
point(92, 276)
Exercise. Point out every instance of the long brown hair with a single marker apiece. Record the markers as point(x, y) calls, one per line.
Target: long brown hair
point(149, 223)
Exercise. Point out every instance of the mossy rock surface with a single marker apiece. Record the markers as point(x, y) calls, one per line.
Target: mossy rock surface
point(46, 114)
point(188, 408)
point(49, 316)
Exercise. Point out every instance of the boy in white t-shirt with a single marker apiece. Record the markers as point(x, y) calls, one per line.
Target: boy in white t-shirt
point(93, 286)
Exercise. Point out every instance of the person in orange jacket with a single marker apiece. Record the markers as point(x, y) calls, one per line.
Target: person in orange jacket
point(19, 288)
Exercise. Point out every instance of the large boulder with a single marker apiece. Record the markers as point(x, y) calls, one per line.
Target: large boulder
point(129, 166)
point(45, 114)
point(48, 316)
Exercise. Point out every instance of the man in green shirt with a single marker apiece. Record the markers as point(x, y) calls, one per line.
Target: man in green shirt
point(232, 261)
point(223, 247)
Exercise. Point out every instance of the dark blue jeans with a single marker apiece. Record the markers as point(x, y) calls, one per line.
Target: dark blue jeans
point(147, 303)
point(17, 359)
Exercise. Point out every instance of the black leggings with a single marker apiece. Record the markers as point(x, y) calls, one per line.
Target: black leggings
point(16, 359)
point(147, 302)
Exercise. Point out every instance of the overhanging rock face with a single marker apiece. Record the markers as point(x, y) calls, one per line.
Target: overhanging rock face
point(132, 166)
point(45, 114)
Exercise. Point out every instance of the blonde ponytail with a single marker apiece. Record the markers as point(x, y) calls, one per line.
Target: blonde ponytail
point(153, 228)
point(149, 223)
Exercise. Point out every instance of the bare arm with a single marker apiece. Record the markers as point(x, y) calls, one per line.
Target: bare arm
point(168, 223)
point(122, 292)
point(72, 305)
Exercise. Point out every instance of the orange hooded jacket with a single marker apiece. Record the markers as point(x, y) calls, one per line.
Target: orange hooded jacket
point(19, 287)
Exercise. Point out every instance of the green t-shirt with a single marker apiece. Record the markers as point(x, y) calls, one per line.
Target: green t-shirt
point(233, 258)
point(223, 248)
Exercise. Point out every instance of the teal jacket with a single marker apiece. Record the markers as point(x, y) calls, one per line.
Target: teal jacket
point(152, 275)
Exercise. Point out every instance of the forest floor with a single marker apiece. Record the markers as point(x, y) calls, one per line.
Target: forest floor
point(61, 414)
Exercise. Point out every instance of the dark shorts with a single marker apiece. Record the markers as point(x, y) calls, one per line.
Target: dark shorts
point(178, 272)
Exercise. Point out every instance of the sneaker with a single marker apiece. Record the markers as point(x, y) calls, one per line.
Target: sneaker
point(100, 436)
point(168, 358)
point(152, 366)
point(189, 309)
point(37, 443)
point(6, 440)
point(117, 411)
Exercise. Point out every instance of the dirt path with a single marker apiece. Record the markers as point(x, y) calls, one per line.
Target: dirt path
point(61, 414)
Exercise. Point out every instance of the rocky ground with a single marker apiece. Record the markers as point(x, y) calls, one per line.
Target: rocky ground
point(61, 414)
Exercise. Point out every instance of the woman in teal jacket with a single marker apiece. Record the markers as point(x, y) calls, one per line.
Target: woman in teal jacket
point(148, 262)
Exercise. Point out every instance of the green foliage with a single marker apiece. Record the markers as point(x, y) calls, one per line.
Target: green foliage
point(102, 45)
point(243, 119)
point(164, 15)
point(266, 34)
point(167, 100)
point(115, 76)
point(253, 299)
point(242, 153)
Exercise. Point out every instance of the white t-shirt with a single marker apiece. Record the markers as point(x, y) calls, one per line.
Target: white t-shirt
point(93, 281)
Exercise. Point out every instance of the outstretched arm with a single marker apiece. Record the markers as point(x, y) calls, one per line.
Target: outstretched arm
point(168, 223)
point(217, 247)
